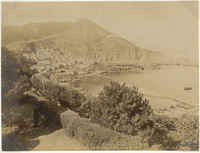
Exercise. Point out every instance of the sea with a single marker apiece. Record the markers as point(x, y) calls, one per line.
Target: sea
point(168, 81)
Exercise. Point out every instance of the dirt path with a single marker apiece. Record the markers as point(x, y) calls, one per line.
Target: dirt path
point(56, 141)
point(59, 141)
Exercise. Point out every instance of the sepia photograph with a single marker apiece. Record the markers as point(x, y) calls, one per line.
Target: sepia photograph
point(100, 75)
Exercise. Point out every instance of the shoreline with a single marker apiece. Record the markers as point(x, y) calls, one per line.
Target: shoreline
point(161, 104)
point(145, 92)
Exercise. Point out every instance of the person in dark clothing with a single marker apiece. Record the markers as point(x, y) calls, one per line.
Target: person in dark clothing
point(47, 114)
point(36, 115)
point(42, 111)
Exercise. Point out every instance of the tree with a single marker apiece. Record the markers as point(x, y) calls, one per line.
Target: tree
point(15, 81)
point(121, 108)
point(22, 85)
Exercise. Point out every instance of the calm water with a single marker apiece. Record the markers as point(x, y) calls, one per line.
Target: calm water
point(168, 81)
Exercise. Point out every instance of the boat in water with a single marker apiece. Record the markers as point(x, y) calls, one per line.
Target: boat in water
point(188, 88)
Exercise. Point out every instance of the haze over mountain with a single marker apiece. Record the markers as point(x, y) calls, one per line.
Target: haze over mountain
point(82, 39)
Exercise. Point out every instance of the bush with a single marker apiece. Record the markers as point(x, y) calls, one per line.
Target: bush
point(174, 133)
point(15, 81)
point(121, 108)
point(22, 85)
point(97, 137)
point(85, 108)
point(71, 98)
point(124, 110)
point(67, 97)
point(187, 132)
point(159, 134)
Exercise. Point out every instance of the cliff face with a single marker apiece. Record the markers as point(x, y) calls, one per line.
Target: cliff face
point(83, 40)
point(113, 49)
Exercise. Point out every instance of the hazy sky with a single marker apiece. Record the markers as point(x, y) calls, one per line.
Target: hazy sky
point(170, 27)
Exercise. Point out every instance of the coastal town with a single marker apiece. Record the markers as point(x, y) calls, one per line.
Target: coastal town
point(59, 66)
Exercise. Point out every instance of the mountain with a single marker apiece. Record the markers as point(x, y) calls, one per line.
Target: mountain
point(82, 39)
point(31, 31)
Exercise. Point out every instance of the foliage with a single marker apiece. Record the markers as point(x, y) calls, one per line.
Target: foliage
point(159, 134)
point(23, 84)
point(8, 71)
point(167, 122)
point(15, 81)
point(15, 71)
point(24, 66)
point(187, 132)
point(121, 108)
point(67, 97)
point(173, 133)
point(49, 89)
point(71, 98)
point(98, 137)
point(8, 77)
point(117, 107)
point(85, 108)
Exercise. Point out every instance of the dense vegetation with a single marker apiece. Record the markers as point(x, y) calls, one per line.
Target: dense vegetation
point(124, 110)
point(66, 96)
point(97, 137)
point(15, 81)
point(187, 132)
point(17, 108)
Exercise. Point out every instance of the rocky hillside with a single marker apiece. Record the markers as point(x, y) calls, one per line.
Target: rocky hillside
point(83, 40)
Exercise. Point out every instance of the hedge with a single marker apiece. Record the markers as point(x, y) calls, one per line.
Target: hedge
point(68, 97)
point(97, 137)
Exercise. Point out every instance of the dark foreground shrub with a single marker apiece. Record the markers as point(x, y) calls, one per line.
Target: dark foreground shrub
point(121, 108)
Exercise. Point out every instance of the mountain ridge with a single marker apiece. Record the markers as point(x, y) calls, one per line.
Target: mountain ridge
point(82, 39)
